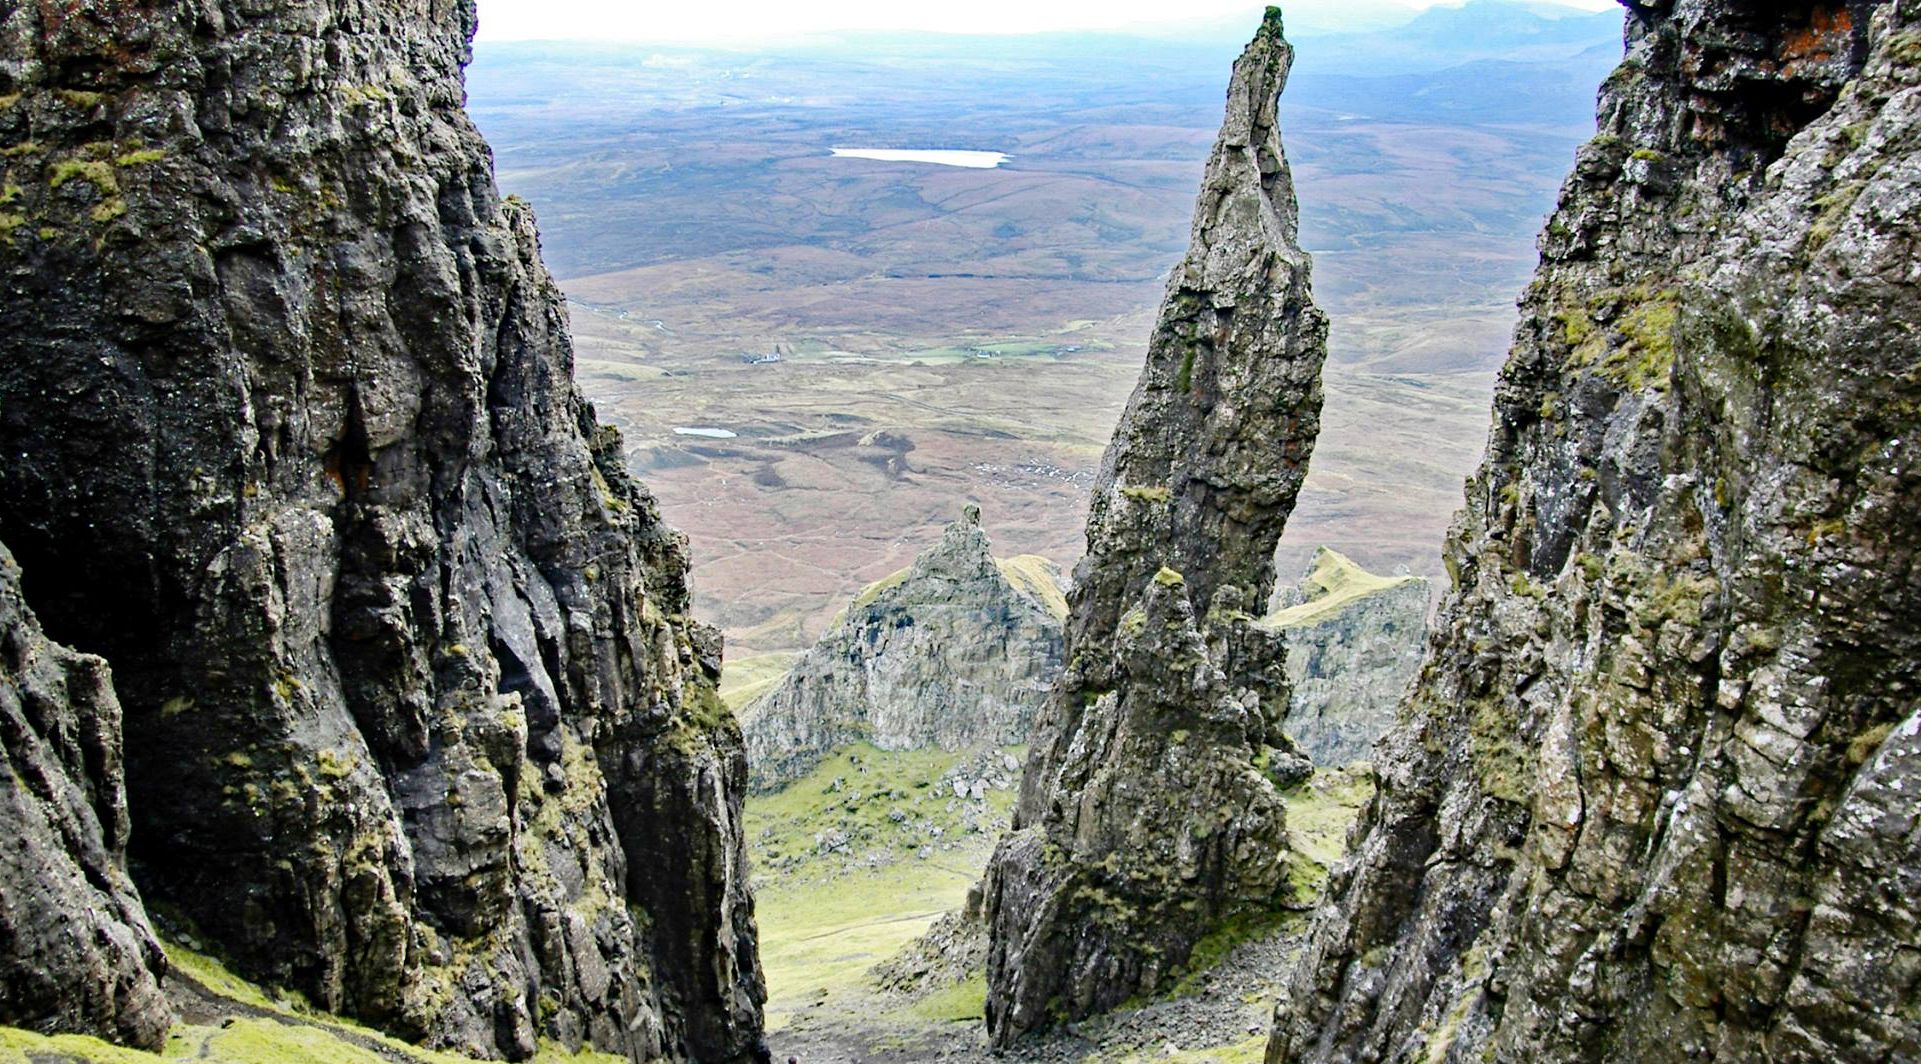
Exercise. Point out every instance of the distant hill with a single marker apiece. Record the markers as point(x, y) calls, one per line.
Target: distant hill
point(1480, 91)
point(1443, 37)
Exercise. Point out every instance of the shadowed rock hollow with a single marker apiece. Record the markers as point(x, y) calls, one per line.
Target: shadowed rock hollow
point(417, 723)
point(78, 954)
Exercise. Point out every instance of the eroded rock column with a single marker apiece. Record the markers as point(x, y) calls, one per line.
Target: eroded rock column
point(1148, 814)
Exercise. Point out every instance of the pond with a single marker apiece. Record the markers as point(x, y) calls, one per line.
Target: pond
point(973, 160)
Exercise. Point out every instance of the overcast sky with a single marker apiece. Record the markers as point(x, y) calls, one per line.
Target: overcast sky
point(749, 21)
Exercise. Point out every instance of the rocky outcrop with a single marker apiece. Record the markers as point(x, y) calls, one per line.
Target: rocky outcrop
point(956, 651)
point(76, 953)
point(1653, 798)
point(1146, 817)
point(417, 723)
point(1354, 643)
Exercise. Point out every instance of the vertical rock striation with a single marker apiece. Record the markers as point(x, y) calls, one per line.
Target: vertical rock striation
point(956, 651)
point(1354, 643)
point(1653, 798)
point(417, 722)
point(76, 953)
point(1145, 818)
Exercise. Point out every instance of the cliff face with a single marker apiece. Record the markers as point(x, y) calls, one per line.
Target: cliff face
point(1653, 798)
point(952, 653)
point(77, 952)
point(1354, 643)
point(1145, 817)
point(416, 721)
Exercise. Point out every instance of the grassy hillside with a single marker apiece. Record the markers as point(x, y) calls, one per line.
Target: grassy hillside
point(856, 859)
point(859, 858)
point(227, 1020)
point(1334, 582)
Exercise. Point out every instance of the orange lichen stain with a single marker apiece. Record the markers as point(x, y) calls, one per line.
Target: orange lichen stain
point(1827, 34)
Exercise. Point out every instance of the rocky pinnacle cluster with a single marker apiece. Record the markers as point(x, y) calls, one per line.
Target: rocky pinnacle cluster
point(952, 652)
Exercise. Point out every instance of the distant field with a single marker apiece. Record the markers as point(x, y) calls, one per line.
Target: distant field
point(954, 334)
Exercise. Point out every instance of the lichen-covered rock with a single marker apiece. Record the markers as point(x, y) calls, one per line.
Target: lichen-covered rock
point(956, 651)
point(417, 723)
point(1653, 798)
point(76, 953)
point(1147, 816)
point(1354, 643)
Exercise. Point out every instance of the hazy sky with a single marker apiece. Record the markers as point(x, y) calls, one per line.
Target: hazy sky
point(747, 21)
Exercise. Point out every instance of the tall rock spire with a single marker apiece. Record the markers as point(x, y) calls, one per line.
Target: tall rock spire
point(1145, 818)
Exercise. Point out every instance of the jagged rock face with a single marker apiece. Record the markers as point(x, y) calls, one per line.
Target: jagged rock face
point(416, 721)
point(76, 953)
point(1145, 816)
point(1354, 643)
point(1653, 799)
point(955, 655)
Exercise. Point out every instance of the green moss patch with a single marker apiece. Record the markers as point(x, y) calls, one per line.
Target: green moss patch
point(962, 1002)
point(24, 1047)
point(261, 1029)
point(1624, 334)
point(1159, 493)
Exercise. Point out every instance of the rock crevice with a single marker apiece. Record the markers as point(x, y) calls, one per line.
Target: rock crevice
point(76, 951)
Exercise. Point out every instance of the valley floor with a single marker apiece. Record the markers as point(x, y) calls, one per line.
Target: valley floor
point(853, 863)
point(859, 858)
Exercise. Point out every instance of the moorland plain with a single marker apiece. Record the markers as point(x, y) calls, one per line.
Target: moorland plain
point(953, 334)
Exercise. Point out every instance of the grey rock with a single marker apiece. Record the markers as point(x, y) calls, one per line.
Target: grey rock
point(1354, 642)
point(76, 952)
point(417, 722)
point(1653, 797)
point(1145, 819)
point(957, 652)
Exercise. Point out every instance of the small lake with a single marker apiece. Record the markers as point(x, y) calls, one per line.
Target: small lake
point(697, 430)
point(973, 160)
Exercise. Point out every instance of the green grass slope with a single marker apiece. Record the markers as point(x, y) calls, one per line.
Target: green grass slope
point(227, 1020)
